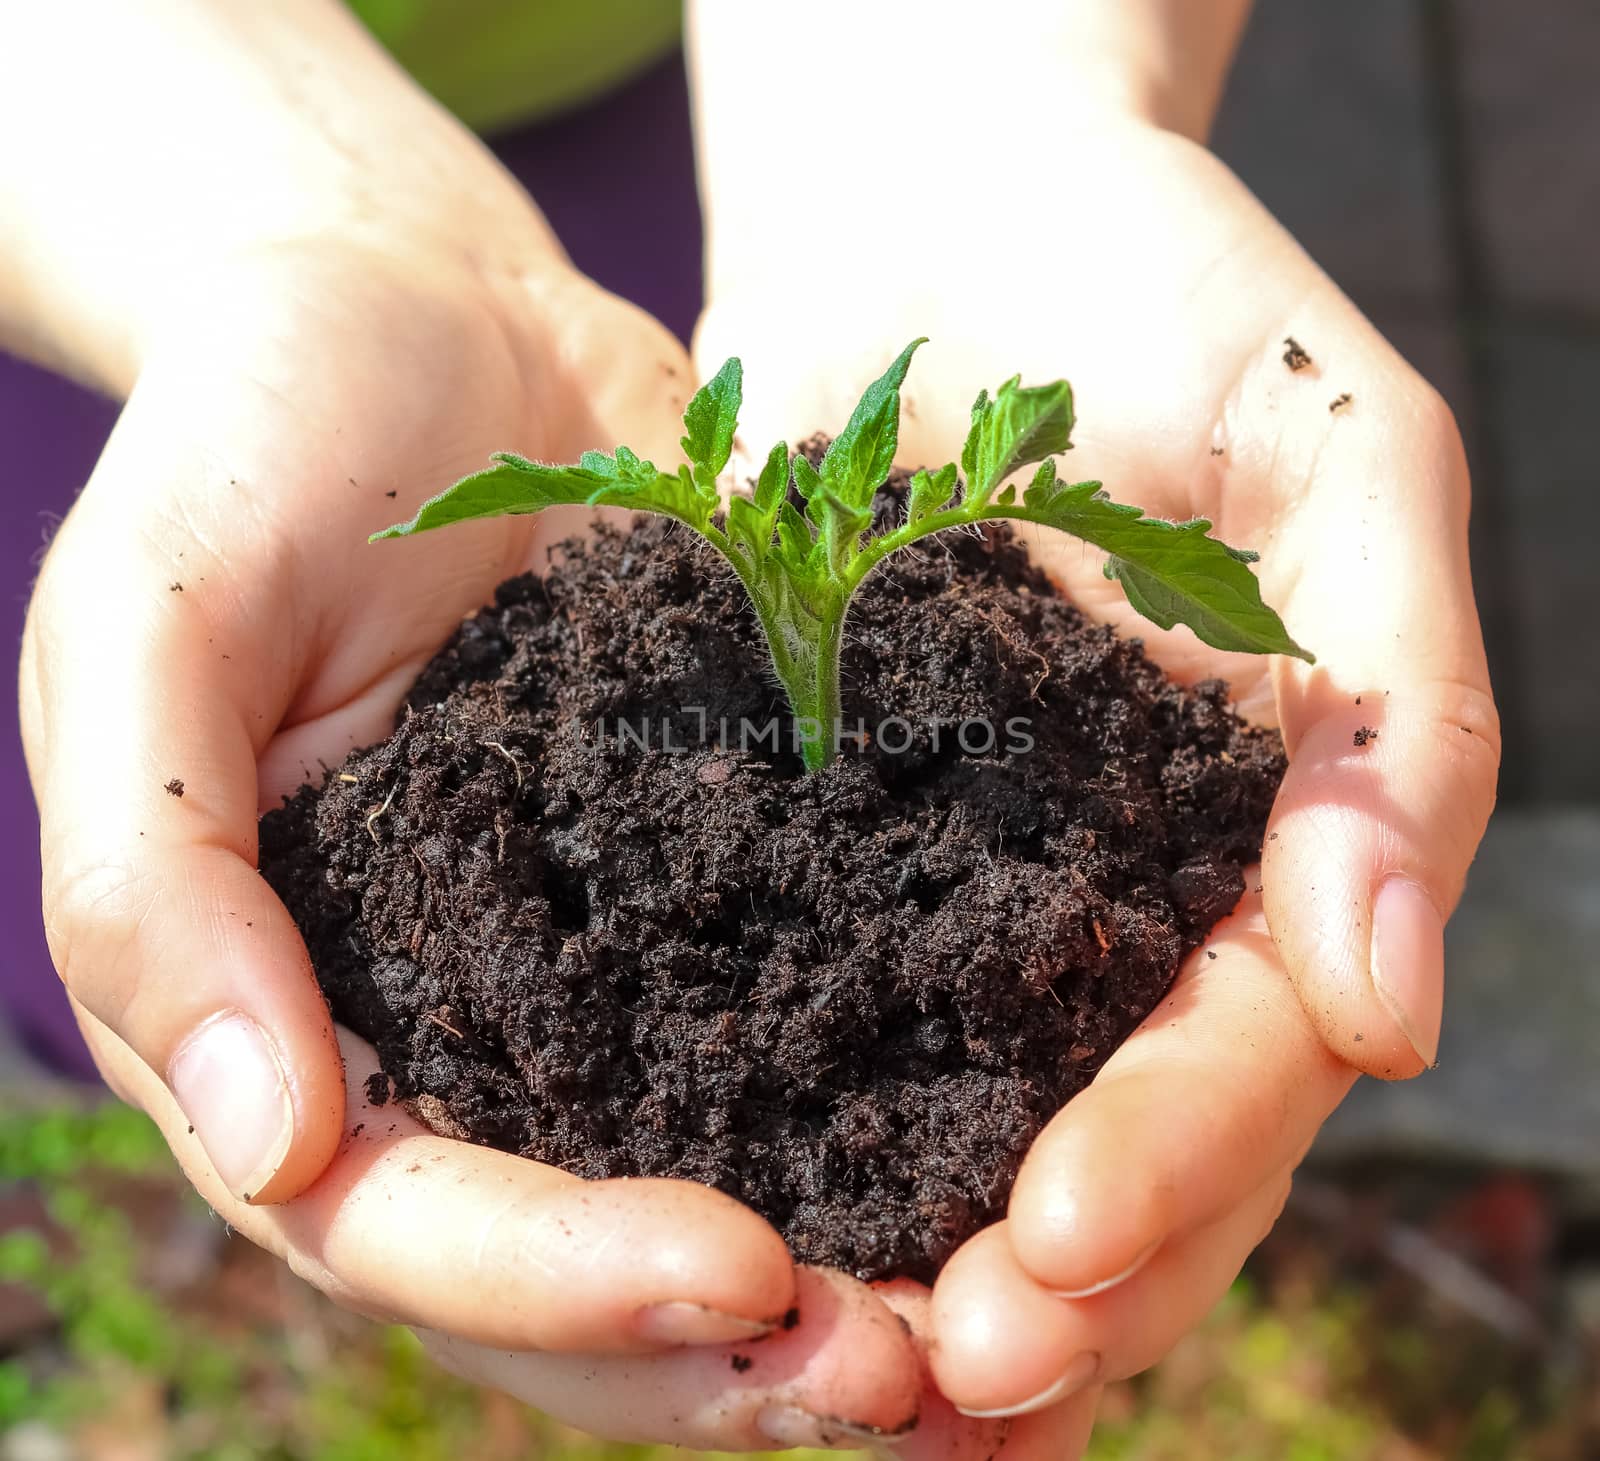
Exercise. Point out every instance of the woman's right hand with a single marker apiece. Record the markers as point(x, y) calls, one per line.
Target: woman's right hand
point(324, 301)
point(210, 614)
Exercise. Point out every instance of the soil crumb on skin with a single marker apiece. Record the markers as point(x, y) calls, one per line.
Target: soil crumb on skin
point(1363, 735)
point(1338, 403)
point(173, 787)
point(850, 999)
point(1295, 355)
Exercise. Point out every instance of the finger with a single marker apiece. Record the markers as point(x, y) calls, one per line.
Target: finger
point(1372, 834)
point(142, 742)
point(842, 1377)
point(943, 1433)
point(1004, 1346)
point(1223, 1085)
point(416, 1228)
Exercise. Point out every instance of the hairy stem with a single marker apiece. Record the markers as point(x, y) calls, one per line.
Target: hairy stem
point(825, 697)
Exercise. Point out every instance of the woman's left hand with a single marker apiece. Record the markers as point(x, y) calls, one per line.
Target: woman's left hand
point(1169, 304)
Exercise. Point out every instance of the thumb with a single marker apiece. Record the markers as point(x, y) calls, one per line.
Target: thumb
point(148, 686)
point(1393, 741)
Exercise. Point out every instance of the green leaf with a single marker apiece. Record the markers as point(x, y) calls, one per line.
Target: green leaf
point(1173, 573)
point(745, 528)
point(807, 482)
point(710, 422)
point(1020, 425)
point(1043, 484)
point(794, 536)
point(751, 521)
point(840, 525)
point(969, 448)
point(517, 486)
point(801, 567)
point(773, 484)
point(929, 492)
point(861, 455)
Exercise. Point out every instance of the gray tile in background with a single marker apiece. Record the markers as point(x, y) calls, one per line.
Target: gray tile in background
point(1516, 1080)
point(1327, 119)
point(1548, 425)
point(1427, 334)
point(1530, 92)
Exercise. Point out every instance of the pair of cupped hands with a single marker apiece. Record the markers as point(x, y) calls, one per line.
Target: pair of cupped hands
point(210, 611)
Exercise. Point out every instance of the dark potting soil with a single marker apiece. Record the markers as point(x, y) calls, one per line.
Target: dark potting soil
point(849, 999)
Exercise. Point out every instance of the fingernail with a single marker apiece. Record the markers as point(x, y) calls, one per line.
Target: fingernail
point(1077, 1375)
point(1144, 1257)
point(1408, 962)
point(679, 1323)
point(788, 1426)
point(230, 1084)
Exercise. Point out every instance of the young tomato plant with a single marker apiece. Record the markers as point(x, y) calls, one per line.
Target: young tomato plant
point(802, 567)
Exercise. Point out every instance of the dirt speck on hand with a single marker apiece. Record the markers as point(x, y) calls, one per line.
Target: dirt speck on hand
point(173, 787)
point(1295, 356)
point(174, 588)
point(1339, 402)
point(1363, 735)
point(741, 1363)
point(376, 1089)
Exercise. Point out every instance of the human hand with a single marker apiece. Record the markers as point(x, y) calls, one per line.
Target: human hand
point(326, 302)
point(211, 614)
point(1165, 293)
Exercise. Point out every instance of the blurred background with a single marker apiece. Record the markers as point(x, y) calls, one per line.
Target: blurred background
point(1433, 1293)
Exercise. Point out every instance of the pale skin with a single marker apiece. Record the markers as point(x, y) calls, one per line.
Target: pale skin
point(306, 317)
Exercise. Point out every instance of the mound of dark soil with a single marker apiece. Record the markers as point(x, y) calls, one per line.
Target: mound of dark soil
point(849, 999)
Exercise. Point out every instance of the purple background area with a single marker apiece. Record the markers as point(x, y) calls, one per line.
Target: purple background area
point(595, 174)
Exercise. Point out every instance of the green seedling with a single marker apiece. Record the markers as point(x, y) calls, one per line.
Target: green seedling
point(801, 566)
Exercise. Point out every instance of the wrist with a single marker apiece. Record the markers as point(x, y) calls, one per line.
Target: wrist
point(929, 107)
point(241, 129)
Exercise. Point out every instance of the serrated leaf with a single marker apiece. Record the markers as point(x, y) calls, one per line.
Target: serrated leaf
point(751, 521)
point(1043, 487)
point(860, 456)
point(794, 536)
point(839, 525)
point(773, 484)
point(516, 485)
point(1173, 573)
point(710, 421)
point(929, 492)
point(806, 481)
point(745, 524)
point(801, 567)
point(1020, 425)
point(969, 448)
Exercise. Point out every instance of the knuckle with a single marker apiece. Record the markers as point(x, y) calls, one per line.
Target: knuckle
point(1439, 433)
point(1466, 732)
point(311, 1269)
point(1277, 1200)
point(94, 913)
